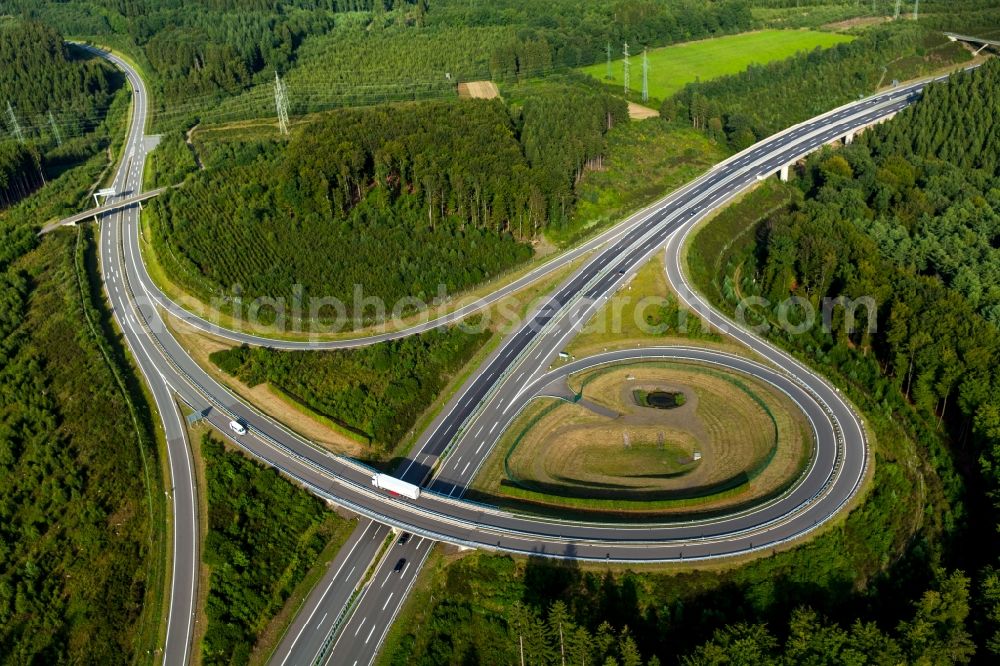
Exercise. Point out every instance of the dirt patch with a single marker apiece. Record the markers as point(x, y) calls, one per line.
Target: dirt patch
point(189, 140)
point(478, 90)
point(859, 22)
point(640, 112)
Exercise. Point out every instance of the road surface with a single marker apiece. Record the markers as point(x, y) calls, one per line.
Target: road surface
point(181, 492)
point(451, 451)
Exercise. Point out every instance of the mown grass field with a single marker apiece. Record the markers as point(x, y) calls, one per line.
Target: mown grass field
point(672, 67)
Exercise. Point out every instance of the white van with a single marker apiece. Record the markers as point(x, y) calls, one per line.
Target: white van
point(237, 427)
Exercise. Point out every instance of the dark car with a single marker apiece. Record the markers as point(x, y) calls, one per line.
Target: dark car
point(403, 539)
point(399, 565)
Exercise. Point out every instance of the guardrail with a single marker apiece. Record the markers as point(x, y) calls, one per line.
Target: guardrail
point(430, 533)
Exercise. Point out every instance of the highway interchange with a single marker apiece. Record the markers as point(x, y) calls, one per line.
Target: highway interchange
point(448, 455)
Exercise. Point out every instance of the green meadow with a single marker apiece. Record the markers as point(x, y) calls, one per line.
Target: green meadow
point(672, 67)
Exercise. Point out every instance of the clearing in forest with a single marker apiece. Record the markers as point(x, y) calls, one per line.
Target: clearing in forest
point(672, 67)
point(478, 90)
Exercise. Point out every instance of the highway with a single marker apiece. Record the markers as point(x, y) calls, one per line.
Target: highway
point(449, 454)
point(181, 492)
point(622, 233)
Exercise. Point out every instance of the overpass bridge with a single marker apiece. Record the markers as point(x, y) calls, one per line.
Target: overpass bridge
point(978, 41)
point(100, 210)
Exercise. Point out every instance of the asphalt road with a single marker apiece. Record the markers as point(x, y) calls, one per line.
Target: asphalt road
point(113, 227)
point(306, 639)
point(481, 430)
point(469, 426)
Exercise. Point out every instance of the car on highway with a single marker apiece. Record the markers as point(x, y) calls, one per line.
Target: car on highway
point(403, 539)
point(400, 565)
point(238, 428)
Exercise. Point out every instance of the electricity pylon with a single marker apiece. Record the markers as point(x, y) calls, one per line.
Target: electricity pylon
point(281, 103)
point(608, 76)
point(895, 14)
point(916, 10)
point(645, 75)
point(626, 66)
point(13, 124)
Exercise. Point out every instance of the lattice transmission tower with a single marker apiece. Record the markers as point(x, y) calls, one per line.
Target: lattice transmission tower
point(281, 103)
point(14, 126)
point(55, 129)
point(626, 66)
point(645, 75)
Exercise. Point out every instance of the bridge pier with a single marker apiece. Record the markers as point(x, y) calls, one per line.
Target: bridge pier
point(783, 173)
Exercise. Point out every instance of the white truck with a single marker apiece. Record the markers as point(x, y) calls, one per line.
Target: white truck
point(395, 486)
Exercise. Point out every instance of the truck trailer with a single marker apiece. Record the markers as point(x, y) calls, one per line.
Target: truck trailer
point(395, 486)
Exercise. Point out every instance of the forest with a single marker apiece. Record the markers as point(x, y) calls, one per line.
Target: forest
point(398, 200)
point(911, 575)
point(907, 215)
point(58, 98)
point(375, 394)
point(199, 53)
point(81, 498)
point(264, 534)
point(81, 495)
point(487, 608)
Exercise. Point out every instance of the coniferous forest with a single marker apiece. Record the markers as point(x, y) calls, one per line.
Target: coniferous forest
point(399, 201)
point(200, 52)
point(907, 215)
point(57, 97)
point(430, 190)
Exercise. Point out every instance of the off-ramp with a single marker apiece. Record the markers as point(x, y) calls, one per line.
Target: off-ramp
point(451, 451)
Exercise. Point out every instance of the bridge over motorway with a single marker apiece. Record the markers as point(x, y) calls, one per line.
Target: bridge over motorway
point(979, 41)
point(109, 207)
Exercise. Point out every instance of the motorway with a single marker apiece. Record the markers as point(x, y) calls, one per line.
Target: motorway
point(449, 454)
point(184, 558)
